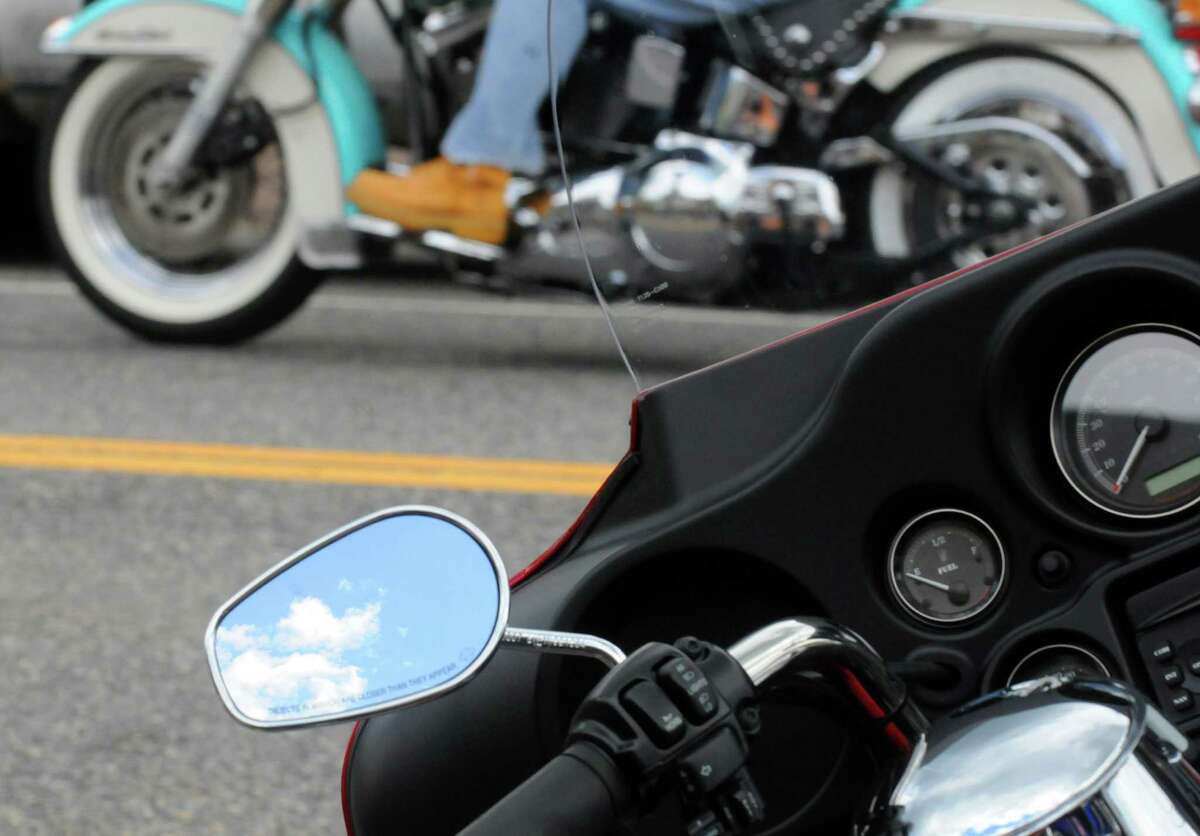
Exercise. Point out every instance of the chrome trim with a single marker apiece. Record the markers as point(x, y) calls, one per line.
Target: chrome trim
point(681, 217)
point(1193, 100)
point(371, 225)
point(845, 80)
point(769, 650)
point(448, 243)
point(563, 644)
point(973, 26)
point(655, 71)
point(1000, 585)
point(52, 42)
point(210, 635)
point(1008, 683)
point(969, 778)
point(330, 247)
point(817, 643)
point(861, 151)
point(447, 27)
point(915, 761)
point(854, 152)
point(825, 99)
point(732, 106)
point(1068, 375)
point(805, 200)
point(1003, 124)
point(1090, 757)
point(1138, 798)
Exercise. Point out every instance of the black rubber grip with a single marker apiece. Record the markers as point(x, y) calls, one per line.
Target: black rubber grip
point(579, 793)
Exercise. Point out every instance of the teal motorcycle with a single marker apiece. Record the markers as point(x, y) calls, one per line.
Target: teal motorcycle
point(815, 152)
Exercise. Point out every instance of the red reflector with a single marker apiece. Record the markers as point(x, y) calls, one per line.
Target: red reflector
point(1189, 32)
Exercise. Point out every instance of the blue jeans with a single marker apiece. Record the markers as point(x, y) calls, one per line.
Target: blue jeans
point(499, 125)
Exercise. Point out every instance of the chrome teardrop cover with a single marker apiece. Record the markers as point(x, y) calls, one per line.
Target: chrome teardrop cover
point(1050, 758)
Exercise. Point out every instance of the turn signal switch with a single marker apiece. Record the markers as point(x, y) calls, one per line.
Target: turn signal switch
point(680, 720)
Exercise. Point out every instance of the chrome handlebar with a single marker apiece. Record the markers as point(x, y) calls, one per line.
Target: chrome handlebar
point(816, 643)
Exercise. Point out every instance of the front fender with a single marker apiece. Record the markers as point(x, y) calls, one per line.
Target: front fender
point(303, 68)
point(1151, 78)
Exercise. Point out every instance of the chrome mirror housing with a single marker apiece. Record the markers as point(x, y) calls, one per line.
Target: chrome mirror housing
point(397, 608)
point(1057, 757)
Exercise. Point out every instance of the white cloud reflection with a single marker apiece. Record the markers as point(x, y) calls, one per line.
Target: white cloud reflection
point(297, 667)
point(310, 623)
point(260, 682)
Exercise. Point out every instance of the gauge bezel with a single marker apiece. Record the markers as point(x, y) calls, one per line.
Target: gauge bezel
point(942, 621)
point(1083, 651)
point(1060, 390)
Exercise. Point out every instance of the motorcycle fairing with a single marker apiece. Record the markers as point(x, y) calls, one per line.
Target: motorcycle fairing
point(1170, 132)
point(774, 481)
point(344, 93)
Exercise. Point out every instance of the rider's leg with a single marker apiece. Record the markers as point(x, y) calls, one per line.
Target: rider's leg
point(495, 134)
point(499, 125)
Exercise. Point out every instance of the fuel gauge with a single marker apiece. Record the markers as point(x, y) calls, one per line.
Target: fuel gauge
point(946, 566)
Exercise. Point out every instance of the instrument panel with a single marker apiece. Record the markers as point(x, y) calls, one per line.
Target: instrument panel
point(1125, 426)
point(791, 479)
point(1091, 397)
point(947, 566)
point(1124, 445)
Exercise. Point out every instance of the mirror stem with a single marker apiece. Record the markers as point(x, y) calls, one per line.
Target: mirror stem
point(566, 644)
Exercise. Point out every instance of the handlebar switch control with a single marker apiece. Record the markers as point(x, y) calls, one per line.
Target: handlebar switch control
point(706, 824)
point(689, 688)
point(657, 715)
point(744, 803)
point(712, 763)
point(670, 719)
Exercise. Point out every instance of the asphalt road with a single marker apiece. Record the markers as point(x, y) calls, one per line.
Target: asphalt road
point(108, 579)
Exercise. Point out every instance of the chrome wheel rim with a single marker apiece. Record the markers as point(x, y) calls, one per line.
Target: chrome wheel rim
point(191, 243)
point(1015, 166)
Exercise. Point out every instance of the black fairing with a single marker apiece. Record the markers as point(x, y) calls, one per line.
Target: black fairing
point(772, 484)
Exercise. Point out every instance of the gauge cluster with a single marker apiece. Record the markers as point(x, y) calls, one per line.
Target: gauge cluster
point(1125, 425)
point(1092, 408)
point(980, 474)
point(1094, 395)
point(947, 567)
point(993, 473)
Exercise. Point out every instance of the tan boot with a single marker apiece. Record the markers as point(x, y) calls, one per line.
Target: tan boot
point(467, 200)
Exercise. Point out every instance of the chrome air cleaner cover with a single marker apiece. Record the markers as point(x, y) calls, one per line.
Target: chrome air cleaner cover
point(1048, 757)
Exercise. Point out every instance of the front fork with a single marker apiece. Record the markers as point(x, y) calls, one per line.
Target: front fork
point(257, 22)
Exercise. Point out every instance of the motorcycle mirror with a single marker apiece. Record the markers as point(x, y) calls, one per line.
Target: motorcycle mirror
point(399, 607)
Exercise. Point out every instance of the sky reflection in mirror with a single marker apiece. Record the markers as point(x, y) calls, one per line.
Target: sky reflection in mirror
point(391, 610)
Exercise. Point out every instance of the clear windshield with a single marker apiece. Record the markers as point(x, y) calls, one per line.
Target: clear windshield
point(744, 169)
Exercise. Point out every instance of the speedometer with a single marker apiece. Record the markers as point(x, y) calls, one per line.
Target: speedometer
point(1125, 426)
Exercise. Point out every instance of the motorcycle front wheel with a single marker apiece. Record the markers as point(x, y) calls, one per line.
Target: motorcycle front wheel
point(909, 210)
point(212, 261)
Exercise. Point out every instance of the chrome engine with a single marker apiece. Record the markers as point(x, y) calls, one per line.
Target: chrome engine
point(681, 220)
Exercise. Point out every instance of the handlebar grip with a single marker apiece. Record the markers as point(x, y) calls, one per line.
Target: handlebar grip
point(579, 793)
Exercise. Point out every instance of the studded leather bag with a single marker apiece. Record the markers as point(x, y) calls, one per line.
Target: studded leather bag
point(811, 38)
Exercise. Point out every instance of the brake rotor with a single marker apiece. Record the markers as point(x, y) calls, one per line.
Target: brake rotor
point(1010, 165)
point(186, 224)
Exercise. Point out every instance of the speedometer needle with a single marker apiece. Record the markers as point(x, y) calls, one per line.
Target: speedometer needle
point(944, 587)
point(1133, 456)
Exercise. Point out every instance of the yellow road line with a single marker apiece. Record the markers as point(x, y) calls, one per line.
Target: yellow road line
point(285, 464)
